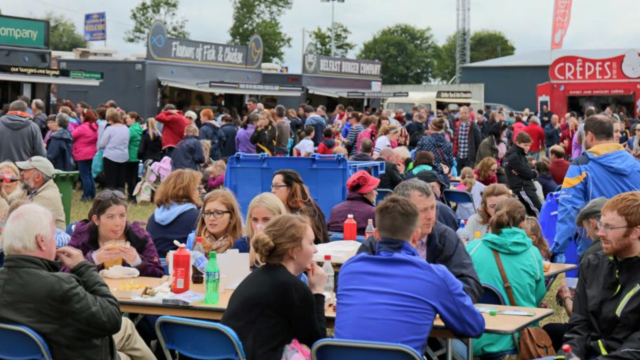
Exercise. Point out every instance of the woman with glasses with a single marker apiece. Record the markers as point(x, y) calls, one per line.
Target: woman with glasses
point(288, 186)
point(106, 237)
point(487, 171)
point(178, 200)
point(11, 189)
point(478, 224)
point(220, 223)
point(509, 245)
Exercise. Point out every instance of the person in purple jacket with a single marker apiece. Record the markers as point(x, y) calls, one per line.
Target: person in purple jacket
point(360, 203)
point(243, 137)
point(107, 220)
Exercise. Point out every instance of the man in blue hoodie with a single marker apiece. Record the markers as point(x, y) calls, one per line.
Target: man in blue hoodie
point(318, 123)
point(605, 169)
point(394, 295)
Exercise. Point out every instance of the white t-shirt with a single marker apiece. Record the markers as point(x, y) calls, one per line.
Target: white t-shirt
point(381, 143)
point(305, 146)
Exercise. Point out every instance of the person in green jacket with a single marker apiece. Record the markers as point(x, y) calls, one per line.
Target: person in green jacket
point(135, 134)
point(522, 264)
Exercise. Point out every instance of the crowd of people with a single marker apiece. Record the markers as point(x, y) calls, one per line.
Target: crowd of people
point(417, 264)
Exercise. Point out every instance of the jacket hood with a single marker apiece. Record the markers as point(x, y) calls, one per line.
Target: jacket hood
point(613, 157)
point(510, 241)
point(212, 124)
point(165, 215)
point(62, 134)
point(421, 168)
point(439, 139)
point(15, 122)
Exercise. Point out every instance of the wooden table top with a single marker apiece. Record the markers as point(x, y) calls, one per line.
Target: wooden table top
point(497, 324)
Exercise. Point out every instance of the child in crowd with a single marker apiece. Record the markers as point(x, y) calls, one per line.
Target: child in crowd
point(534, 232)
point(328, 143)
point(216, 175)
point(305, 146)
point(188, 154)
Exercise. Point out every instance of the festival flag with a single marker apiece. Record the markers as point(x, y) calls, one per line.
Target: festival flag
point(561, 19)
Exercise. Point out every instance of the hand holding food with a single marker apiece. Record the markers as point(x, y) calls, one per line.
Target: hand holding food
point(129, 254)
point(69, 257)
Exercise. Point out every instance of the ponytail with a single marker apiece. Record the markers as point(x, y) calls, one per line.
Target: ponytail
point(509, 213)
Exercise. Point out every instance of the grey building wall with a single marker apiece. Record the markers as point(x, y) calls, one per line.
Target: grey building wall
point(512, 86)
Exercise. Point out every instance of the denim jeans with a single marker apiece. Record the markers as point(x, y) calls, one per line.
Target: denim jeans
point(88, 186)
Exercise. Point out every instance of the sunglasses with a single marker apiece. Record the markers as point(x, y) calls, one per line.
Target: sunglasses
point(106, 195)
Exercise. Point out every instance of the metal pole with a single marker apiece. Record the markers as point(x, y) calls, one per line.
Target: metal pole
point(333, 28)
point(303, 35)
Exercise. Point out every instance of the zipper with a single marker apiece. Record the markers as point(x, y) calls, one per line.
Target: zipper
point(626, 299)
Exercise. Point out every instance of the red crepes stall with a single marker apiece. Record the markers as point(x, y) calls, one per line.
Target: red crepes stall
point(577, 83)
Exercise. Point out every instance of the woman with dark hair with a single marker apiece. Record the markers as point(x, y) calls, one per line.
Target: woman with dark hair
point(545, 179)
point(85, 138)
point(486, 171)
point(489, 146)
point(288, 186)
point(107, 238)
point(150, 143)
point(243, 137)
point(424, 162)
point(60, 145)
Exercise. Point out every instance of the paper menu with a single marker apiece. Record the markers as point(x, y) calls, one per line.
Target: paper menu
point(234, 266)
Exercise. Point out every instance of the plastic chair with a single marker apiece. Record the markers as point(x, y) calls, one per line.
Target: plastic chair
point(198, 339)
point(492, 296)
point(334, 349)
point(18, 342)
point(458, 197)
point(383, 193)
point(163, 261)
point(336, 236)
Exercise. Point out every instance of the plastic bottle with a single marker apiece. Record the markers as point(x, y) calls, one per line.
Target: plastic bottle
point(140, 169)
point(212, 276)
point(350, 228)
point(197, 277)
point(369, 231)
point(328, 268)
point(568, 353)
point(462, 232)
point(181, 270)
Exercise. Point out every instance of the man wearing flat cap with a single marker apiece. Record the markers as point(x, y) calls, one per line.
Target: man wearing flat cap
point(36, 175)
point(588, 218)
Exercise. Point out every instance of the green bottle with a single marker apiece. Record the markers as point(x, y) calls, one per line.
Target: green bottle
point(212, 280)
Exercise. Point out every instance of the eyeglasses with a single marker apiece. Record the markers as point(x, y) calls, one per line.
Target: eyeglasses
point(215, 214)
point(110, 194)
point(276, 187)
point(607, 228)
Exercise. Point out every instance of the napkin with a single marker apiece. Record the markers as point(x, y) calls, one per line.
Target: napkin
point(120, 272)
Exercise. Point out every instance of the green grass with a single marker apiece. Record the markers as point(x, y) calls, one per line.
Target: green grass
point(79, 209)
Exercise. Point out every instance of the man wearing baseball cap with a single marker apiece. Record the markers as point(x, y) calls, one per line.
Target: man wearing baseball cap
point(36, 175)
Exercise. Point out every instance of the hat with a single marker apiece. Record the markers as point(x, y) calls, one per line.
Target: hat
point(191, 115)
point(39, 163)
point(362, 183)
point(591, 211)
point(431, 177)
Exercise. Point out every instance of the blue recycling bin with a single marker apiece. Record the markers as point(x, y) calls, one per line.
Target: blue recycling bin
point(326, 177)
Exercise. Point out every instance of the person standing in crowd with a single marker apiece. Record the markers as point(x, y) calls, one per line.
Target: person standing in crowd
point(84, 306)
point(318, 123)
point(305, 147)
point(252, 106)
point(633, 144)
point(60, 146)
point(286, 248)
point(509, 248)
point(518, 126)
point(490, 146)
point(537, 137)
point(407, 299)
point(545, 116)
point(39, 116)
point(211, 131)
point(176, 215)
point(296, 125)
point(283, 130)
point(360, 203)
point(85, 138)
point(328, 143)
point(438, 244)
point(265, 136)
point(478, 224)
point(386, 137)
point(20, 138)
point(230, 132)
point(243, 138)
point(605, 169)
point(559, 166)
point(188, 154)
point(520, 175)
point(173, 130)
point(437, 144)
point(288, 186)
point(115, 144)
point(150, 143)
point(355, 118)
point(36, 175)
point(566, 139)
point(552, 132)
point(416, 130)
point(132, 120)
point(606, 310)
point(467, 140)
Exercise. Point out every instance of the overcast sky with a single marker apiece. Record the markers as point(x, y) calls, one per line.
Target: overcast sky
point(595, 24)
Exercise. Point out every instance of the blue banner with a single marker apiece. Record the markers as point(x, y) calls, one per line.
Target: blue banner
point(95, 27)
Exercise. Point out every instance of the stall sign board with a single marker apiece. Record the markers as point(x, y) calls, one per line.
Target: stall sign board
point(95, 27)
point(624, 67)
point(15, 31)
point(454, 94)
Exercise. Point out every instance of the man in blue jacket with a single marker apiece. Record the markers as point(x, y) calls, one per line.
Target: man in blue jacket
point(318, 123)
point(394, 295)
point(605, 169)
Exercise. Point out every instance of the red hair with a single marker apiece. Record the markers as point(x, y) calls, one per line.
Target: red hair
point(89, 116)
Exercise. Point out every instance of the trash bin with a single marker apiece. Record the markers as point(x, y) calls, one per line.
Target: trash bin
point(64, 180)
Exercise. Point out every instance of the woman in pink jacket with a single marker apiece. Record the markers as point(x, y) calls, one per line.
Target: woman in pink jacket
point(85, 138)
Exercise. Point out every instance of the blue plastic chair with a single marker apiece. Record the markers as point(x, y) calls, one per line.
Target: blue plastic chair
point(458, 197)
point(334, 349)
point(336, 236)
point(163, 261)
point(492, 296)
point(198, 339)
point(383, 193)
point(18, 342)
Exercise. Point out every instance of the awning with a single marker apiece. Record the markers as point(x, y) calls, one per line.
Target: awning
point(204, 87)
point(49, 80)
point(351, 93)
point(323, 92)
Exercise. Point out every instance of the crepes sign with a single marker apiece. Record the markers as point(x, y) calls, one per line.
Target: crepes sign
point(624, 67)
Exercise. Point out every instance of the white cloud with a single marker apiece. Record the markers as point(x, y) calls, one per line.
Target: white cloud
point(595, 24)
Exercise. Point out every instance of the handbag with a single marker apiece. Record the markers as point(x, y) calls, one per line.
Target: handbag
point(535, 343)
point(97, 166)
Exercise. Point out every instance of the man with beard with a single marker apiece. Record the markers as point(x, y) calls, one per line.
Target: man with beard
point(36, 175)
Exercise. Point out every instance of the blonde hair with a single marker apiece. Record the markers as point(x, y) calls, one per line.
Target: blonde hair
point(11, 166)
point(390, 129)
point(114, 116)
point(152, 127)
point(192, 130)
point(267, 201)
point(206, 149)
point(402, 152)
point(226, 198)
point(493, 190)
point(179, 187)
point(468, 178)
point(220, 164)
point(282, 233)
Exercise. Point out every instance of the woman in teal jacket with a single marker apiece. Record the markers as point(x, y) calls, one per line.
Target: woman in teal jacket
point(135, 134)
point(522, 263)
